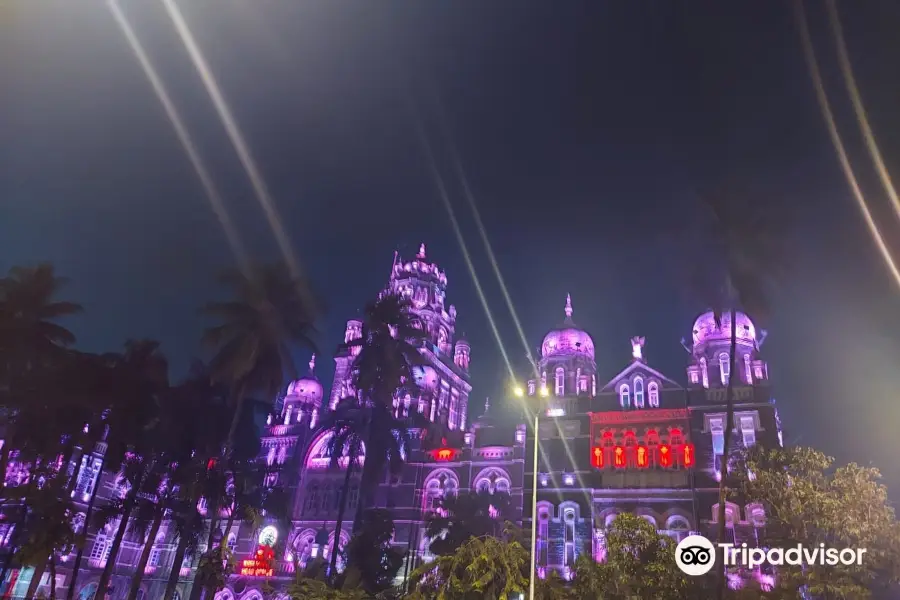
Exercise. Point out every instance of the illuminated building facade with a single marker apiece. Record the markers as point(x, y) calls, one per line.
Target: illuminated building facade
point(641, 442)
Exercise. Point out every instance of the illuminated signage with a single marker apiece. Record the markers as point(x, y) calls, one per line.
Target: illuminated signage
point(444, 454)
point(597, 457)
point(643, 457)
point(556, 412)
point(688, 455)
point(260, 565)
point(619, 457)
point(665, 455)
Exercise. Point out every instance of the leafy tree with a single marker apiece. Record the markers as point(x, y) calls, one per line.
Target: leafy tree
point(553, 587)
point(640, 562)
point(459, 517)
point(373, 562)
point(809, 502)
point(482, 568)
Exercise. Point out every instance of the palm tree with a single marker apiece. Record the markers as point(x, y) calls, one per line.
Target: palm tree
point(750, 243)
point(383, 368)
point(347, 424)
point(267, 319)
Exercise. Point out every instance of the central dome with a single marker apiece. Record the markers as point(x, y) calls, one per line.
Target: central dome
point(705, 329)
point(309, 387)
point(567, 339)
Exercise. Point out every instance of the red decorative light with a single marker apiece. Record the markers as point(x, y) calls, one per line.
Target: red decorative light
point(597, 457)
point(643, 457)
point(688, 455)
point(261, 564)
point(665, 455)
point(444, 454)
point(211, 464)
point(619, 456)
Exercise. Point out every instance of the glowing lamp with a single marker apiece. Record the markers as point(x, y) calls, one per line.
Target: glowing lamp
point(619, 457)
point(643, 457)
point(688, 451)
point(444, 454)
point(556, 412)
point(544, 391)
point(665, 455)
point(597, 457)
point(518, 391)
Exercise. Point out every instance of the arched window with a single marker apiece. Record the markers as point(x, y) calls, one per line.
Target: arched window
point(287, 415)
point(748, 372)
point(638, 392)
point(724, 367)
point(624, 397)
point(653, 393)
point(531, 388)
point(270, 457)
point(232, 542)
point(677, 523)
point(650, 519)
point(282, 454)
point(560, 381)
point(704, 372)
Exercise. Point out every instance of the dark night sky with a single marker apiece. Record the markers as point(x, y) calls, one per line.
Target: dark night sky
point(586, 130)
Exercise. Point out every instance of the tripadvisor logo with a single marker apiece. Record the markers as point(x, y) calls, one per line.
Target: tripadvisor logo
point(695, 555)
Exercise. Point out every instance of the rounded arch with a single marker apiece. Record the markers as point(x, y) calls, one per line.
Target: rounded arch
point(756, 514)
point(544, 510)
point(732, 513)
point(438, 484)
point(224, 595)
point(252, 595)
point(607, 517)
point(488, 479)
point(624, 396)
point(301, 546)
point(677, 523)
point(653, 394)
point(560, 381)
point(639, 392)
point(317, 456)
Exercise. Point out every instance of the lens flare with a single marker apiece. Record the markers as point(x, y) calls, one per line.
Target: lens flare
point(206, 180)
point(810, 54)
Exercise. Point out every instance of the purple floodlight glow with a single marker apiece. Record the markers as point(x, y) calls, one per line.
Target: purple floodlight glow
point(705, 329)
point(567, 340)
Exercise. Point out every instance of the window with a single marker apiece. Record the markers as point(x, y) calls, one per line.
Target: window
point(695, 377)
point(724, 367)
point(748, 374)
point(282, 454)
point(270, 458)
point(638, 392)
point(100, 549)
point(155, 553)
point(287, 415)
point(531, 388)
point(748, 429)
point(653, 392)
point(704, 372)
point(232, 542)
point(624, 397)
point(560, 381)
point(717, 429)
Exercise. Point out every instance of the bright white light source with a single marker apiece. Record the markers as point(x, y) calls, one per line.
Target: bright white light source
point(555, 412)
point(569, 479)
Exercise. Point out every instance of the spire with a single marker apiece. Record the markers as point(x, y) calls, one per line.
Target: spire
point(312, 364)
point(637, 347)
point(487, 404)
point(394, 265)
point(568, 306)
point(421, 254)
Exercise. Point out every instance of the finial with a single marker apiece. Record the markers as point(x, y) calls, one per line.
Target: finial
point(421, 251)
point(487, 405)
point(394, 265)
point(568, 306)
point(312, 363)
point(637, 345)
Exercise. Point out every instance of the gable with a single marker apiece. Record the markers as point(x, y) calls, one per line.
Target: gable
point(648, 373)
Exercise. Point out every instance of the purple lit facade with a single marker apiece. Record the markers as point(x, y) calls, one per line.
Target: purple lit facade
point(580, 411)
point(641, 442)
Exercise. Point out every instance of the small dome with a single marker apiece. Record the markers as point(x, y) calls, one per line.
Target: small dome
point(705, 329)
point(567, 338)
point(426, 377)
point(309, 387)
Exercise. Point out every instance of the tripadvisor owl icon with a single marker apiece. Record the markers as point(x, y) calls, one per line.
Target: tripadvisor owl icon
point(695, 555)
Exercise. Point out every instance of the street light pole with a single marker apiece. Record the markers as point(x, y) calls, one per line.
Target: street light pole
point(534, 485)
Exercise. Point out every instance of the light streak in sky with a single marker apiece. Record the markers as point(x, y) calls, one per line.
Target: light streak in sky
point(858, 108)
point(187, 142)
point(810, 54)
point(442, 192)
point(467, 192)
point(240, 145)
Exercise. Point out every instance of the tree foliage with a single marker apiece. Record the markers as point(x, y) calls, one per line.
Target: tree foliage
point(810, 502)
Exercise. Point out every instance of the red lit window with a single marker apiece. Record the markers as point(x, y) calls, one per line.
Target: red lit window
point(643, 457)
point(597, 457)
point(665, 455)
point(619, 457)
point(688, 451)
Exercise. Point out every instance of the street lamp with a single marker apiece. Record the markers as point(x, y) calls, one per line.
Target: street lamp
point(518, 391)
point(534, 485)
